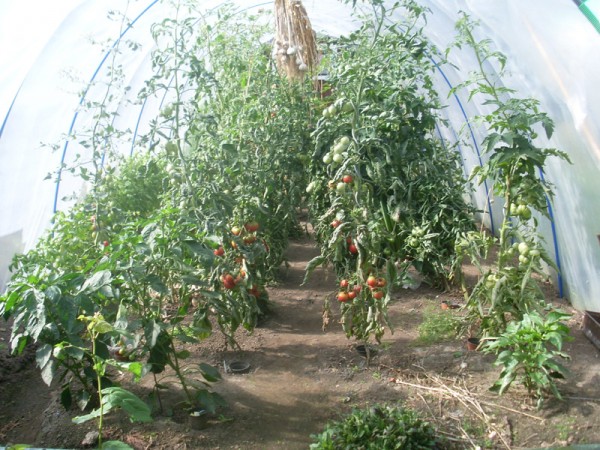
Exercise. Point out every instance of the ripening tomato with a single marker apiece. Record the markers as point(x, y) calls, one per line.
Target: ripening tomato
point(357, 288)
point(219, 252)
point(106, 243)
point(250, 239)
point(378, 294)
point(343, 297)
point(344, 284)
point(372, 282)
point(254, 291)
point(228, 281)
point(336, 223)
point(236, 231)
point(381, 282)
point(351, 295)
point(252, 226)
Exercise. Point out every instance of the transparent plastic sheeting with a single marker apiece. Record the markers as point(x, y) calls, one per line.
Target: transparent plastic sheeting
point(552, 53)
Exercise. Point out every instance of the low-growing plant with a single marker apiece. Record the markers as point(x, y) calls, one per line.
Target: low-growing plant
point(438, 326)
point(378, 427)
point(529, 350)
point(112, 397)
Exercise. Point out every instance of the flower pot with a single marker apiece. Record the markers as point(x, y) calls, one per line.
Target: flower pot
point(473, 343)
point(238, 367)
point(198, 420)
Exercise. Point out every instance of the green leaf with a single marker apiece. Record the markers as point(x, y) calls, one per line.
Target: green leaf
point(101, 326)
point(210, 400)
point(137, 410)
point(312, 265)
point(210, 373)
point(96, 281)
point(116, 397)
point(183, 354)
point(136, 368)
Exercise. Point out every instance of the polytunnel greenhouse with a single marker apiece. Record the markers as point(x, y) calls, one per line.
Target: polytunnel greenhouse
point(299, 224)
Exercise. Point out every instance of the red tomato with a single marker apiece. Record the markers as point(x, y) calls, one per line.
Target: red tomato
point(106, 243)
point(351, 295)
point(347, 179)
point(381, 282)
point(344, 284)
point(343, 297)
point(372, 281)
point(352, 249)
point(219, 252)
point(228, 281)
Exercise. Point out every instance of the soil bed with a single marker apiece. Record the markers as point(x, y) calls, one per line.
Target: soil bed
point(301, 376)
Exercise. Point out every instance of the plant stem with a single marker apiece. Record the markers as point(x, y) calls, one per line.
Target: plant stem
point(97, 361)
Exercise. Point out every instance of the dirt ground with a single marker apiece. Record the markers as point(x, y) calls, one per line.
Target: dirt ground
point(302, 376)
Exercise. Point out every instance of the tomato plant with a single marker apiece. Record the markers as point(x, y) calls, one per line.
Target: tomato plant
point(378, 173)
point(507, 303)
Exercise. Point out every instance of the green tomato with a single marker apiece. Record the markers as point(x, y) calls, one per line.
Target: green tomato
point(341, 187)
point(523, 248)
point(338, 158)
point(513, 210)
point(524, 212)
point(327, 158)
point(523, 259)
point(534, 253)
point(338, 148)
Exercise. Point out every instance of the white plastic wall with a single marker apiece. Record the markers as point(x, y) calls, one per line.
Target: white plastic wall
point(552, 54)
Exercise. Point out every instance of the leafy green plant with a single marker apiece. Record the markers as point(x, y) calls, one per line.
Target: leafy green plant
point(113, 397)
point(528, 350)
point(379, 428)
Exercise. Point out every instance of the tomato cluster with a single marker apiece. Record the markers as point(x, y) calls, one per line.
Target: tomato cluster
point(349, 292)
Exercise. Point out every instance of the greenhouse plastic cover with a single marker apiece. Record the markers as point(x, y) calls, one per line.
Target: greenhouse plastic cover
point(53, 51)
